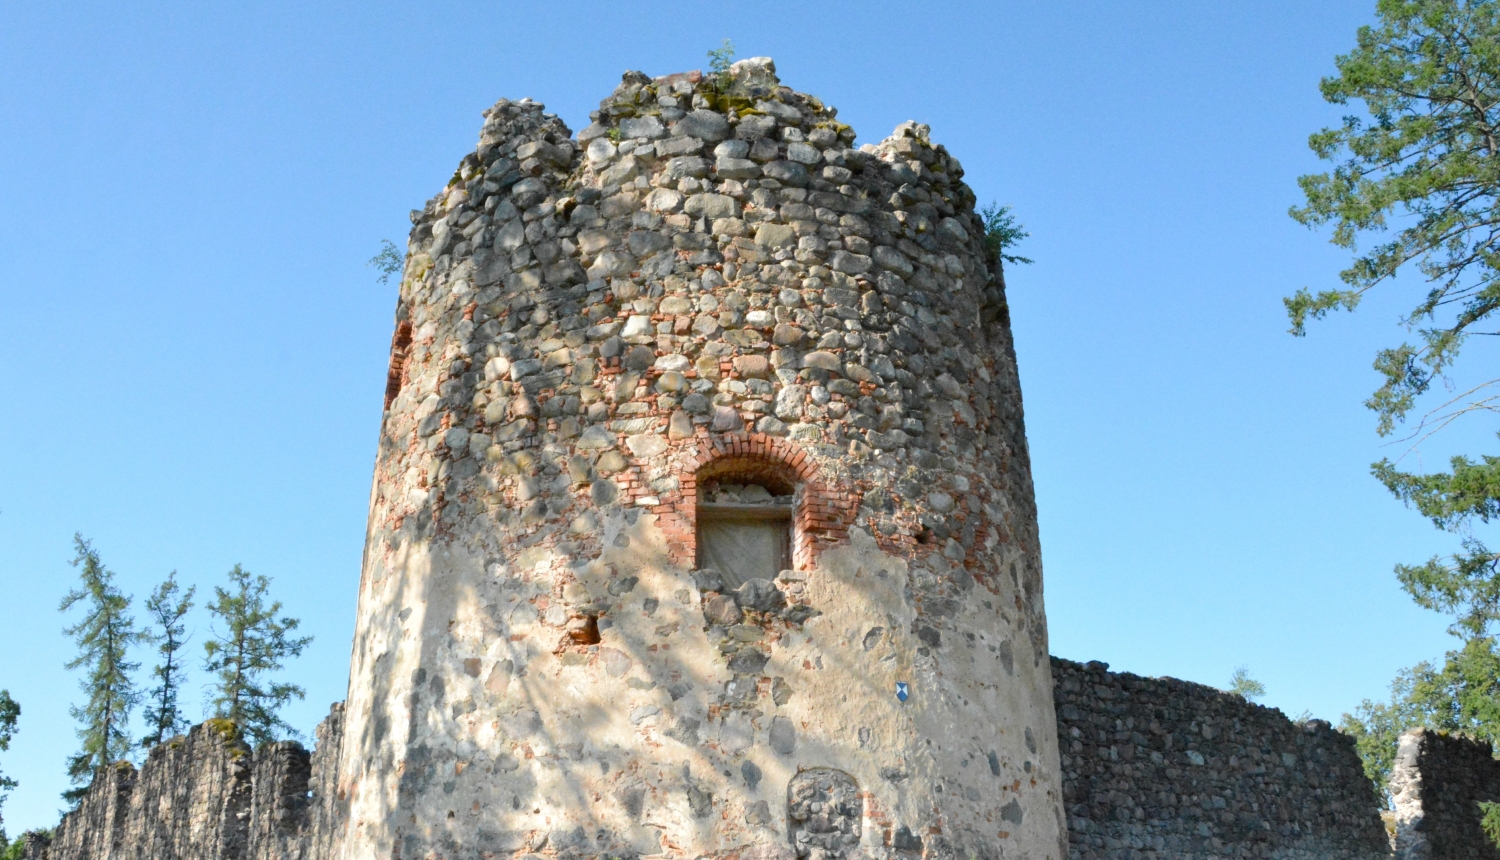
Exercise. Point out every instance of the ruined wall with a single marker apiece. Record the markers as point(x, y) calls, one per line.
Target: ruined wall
point(1437, 782)
point(279, 776)
point(329, 807)
point(1171, 769)
point(1152, 768)
point(181, 803)
point(205, 796)
point(708, 283)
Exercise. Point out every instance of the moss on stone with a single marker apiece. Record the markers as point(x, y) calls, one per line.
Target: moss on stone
point(227, 730)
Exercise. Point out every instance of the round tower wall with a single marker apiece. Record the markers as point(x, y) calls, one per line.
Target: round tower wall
point(708, 294)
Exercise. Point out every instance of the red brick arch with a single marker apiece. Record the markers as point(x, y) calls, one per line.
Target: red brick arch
point(823, 514)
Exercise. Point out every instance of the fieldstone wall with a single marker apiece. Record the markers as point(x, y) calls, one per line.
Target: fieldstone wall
point(205, 796)
point(1162, 768)
point(1438, 782)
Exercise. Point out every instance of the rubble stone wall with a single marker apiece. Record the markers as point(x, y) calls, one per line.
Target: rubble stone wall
point(205, 796)
point(1157, 767)
point(1437, 783)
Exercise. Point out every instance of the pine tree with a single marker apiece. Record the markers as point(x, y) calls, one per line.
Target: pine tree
point(103, 636)
point(167, 605)
point(10, 713)
point(253, 644)
point(1419, 183)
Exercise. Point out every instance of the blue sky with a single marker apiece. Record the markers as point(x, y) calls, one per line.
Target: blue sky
point(195, 351)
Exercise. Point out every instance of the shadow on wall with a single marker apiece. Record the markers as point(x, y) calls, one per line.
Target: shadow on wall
point(654, 637)
point(1150, 764)
point(1438, 782)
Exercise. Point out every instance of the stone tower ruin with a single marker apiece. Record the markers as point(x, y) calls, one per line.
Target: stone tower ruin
point(702, 521)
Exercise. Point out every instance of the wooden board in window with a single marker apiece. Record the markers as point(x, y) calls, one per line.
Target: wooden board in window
point(744, 542)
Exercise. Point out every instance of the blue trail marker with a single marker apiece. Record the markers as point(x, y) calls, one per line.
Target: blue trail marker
point(902, 691)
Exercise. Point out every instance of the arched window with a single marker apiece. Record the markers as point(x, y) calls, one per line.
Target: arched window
point(746, 522)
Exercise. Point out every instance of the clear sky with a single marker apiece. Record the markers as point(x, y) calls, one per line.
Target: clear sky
point(194, 355)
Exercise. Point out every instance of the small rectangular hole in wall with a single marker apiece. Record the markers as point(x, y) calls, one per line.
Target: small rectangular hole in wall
point(586, 632)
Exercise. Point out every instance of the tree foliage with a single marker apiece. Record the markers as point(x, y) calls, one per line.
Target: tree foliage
point(1489, 820)
point(10, 714)
point(1429, 76)
point(720, 60)
point(1463, 695)
point(251, 645)
point(1415, 188)
point(388, 262)
point(1241, 684)
point(1002, 231)
point(1421, 179)
point(103, 637)
point(167, 606)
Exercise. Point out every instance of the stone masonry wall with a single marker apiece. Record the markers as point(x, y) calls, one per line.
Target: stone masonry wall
point(1437, 783)
point(1162, 768)
point(206, 796)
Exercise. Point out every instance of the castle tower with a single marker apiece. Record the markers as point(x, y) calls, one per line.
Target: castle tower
point(702, 522)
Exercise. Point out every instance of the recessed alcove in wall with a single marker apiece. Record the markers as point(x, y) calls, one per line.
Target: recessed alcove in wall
point(744, 532)
point(746, 519)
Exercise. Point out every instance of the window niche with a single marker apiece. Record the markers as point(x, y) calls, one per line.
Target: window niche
point(746, 524)
point(396, 374)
